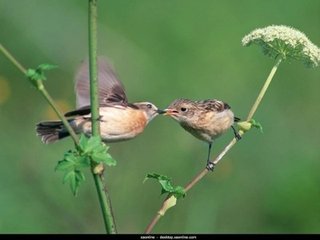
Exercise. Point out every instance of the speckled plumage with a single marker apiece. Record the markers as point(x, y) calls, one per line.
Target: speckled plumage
point(205, 119)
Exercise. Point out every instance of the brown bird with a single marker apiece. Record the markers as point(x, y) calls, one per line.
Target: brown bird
point(206, 119)
point(119, 119)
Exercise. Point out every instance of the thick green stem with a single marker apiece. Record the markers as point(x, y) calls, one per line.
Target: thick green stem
point(94, 97)
point(103, 195)
point(231, 144)
point(263, 89)
point(105, 204)
point(44, 93)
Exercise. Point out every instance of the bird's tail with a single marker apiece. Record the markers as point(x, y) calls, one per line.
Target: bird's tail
point(51, 131)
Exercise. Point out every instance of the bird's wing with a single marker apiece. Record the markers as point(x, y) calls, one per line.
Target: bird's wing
point(85, 110)
point(79, 112)
point(213, 105)
point(111, 89)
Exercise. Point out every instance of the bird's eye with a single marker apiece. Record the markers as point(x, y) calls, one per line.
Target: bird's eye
point(183, 109)
point(149, 105)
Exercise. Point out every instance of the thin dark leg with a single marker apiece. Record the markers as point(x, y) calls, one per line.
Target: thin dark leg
point(236, 134)
point(210, 165)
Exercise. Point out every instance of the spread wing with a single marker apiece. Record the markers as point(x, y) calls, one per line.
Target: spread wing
point(111, 89)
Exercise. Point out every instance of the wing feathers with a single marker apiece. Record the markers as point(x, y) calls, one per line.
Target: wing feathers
point(110, 87)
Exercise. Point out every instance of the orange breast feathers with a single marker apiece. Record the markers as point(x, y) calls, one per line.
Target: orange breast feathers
point(122, 120)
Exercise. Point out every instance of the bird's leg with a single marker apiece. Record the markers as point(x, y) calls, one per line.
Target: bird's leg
point(210, 164)
point(236, 134)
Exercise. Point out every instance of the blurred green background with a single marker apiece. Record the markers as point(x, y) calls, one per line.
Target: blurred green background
point(162, 50)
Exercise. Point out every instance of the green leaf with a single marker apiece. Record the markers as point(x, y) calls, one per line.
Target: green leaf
point(46, 66)
point(83, 141)
point(80, 176)
point(64, 165)
point(74, 178)
point(93, 144)
point(90, 149)
point(103, 157)
point(256, 125)
point(36, 76)
point(83, 162)
point(94, 148)
point(67, 176)
point(166, 185)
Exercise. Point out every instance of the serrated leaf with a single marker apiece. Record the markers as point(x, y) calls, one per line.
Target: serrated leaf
point(83, 162)
point(166, 185)
point(74, 177)
point(89, 149)
point(70, 157)
point(103, 157)
point(64, 165)
point(80, 176)
point(67, 176)
point(94, 143)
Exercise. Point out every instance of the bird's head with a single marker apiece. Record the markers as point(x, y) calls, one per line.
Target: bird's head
point(150, 109)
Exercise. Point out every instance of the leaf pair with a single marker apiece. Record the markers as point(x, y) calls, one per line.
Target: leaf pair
point(166, 185)
point(89, 151)
point(36, 76)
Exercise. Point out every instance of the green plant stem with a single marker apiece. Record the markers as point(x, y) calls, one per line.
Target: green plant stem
point(263, 90)
point(12, 59)
point(205, 171)
point(44, 93)
point(65, 122)
point(105, 204)
point(94, 97)
point(103, 195)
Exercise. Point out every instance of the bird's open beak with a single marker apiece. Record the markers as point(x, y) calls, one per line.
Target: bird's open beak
point(169, 112)
point(159, 111)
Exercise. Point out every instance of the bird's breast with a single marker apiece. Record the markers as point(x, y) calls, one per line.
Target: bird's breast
point(209, 125)
point(118, 124)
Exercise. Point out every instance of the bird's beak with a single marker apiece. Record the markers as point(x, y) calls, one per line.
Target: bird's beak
point(169, 112)
point(159, 111)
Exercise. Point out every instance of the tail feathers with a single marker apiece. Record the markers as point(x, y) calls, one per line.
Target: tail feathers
point(51, 131)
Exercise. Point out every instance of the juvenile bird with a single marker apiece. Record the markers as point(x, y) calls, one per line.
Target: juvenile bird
point(119, 119)
point(206, 119)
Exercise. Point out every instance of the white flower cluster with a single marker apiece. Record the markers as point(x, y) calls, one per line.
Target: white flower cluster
point(285, 42)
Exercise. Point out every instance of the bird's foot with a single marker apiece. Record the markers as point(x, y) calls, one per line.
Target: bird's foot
point(237, 136)
point(210, 166)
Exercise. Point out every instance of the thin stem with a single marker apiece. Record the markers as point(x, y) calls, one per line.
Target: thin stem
point(103, 195)
point(204, 172)
point(263, 89)
point(12, 59)
point(153, 223)
point(60, 115)
point(44, 93)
